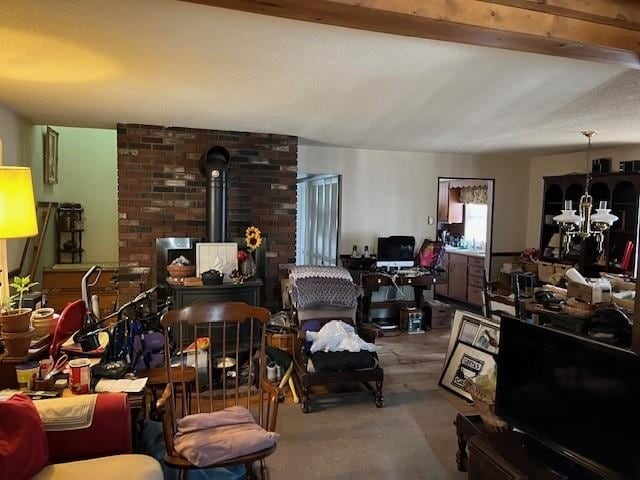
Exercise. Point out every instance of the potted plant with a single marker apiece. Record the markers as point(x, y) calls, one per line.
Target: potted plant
point(16, 320)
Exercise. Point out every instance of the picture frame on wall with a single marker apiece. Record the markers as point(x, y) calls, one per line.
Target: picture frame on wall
point(50, 163)
point(466, 362)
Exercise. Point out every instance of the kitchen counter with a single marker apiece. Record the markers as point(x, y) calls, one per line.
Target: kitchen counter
point(464, 251)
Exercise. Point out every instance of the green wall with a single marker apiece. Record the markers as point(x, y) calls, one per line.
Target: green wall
point(87, 174)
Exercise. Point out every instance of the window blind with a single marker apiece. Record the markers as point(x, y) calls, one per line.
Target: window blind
point(318, 220)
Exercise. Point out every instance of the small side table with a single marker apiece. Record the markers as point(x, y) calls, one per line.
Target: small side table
point(466, 427)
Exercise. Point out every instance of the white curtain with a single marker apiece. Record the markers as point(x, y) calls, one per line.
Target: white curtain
point(317, 221)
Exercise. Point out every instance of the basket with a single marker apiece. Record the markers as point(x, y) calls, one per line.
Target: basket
point(545, 271)
point(561, 268)
point(486, 408)
point(179, 272)
point(283, 341)
point(624, 303)
point(529, 266)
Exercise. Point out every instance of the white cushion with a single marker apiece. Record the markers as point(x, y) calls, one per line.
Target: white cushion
point(116, 467)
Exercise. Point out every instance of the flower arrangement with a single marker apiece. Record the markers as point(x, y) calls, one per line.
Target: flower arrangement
point(253, 237)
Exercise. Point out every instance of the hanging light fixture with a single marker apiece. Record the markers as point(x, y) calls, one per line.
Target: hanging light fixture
point(585, 224)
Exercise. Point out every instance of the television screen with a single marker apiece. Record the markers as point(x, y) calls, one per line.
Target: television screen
point(571, 393)
point(396, 251)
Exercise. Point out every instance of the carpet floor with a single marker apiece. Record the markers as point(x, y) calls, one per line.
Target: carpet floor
point(346, 437)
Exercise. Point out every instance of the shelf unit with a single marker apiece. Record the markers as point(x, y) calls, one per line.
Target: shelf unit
point(69, 222)
point(621, 191)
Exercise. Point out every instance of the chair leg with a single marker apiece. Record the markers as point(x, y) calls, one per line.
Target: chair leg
point(264, 472)
point(379, 397)
point(249, 475)
point(305, 400)
point(183, 474)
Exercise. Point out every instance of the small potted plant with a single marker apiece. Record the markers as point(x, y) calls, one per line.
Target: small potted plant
point(16, 320)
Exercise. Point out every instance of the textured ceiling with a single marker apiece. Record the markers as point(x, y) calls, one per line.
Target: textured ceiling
point(96, 63)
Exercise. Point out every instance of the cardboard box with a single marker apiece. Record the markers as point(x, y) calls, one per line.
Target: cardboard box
point(585, 293)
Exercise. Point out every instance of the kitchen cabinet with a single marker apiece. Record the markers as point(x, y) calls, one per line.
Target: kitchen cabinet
point(465, 281)
point(443, 288)
point(458, 277)
point(450, 209)
point(475, 280)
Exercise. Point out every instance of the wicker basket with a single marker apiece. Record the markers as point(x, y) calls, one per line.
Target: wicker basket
point(486, 408)
point(179, 272)
point(283, 341)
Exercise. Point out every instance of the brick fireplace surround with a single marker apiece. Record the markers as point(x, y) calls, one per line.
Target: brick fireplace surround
point(161, 192)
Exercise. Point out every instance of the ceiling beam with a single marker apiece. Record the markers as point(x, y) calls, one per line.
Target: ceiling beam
point(597, 30)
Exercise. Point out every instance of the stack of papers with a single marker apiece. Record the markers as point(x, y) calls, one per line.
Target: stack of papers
point(121, 385)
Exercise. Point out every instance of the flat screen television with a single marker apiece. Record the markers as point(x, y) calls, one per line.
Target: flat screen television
point(396, 251)
point(575, 395)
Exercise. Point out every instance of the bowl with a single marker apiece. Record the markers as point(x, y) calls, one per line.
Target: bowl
point(180, 272)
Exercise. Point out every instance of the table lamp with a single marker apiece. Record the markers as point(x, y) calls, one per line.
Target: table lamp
point(17, 214)
point(554, 245)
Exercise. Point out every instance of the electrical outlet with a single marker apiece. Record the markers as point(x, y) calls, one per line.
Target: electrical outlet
point(430, 220)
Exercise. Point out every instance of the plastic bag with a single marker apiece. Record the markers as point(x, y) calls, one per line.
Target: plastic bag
point(337, 336)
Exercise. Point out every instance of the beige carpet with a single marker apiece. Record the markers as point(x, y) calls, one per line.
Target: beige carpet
point(346, 437)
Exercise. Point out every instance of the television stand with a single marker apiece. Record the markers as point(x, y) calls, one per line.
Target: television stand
point(513, 455)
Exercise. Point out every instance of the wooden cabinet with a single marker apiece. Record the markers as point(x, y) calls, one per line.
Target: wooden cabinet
point(502, 456)
point(464, 278)
point(62, 286)
point(443, 288)
point(450, 209)
point(621, 191)
point(475, 280)
point(458, 277)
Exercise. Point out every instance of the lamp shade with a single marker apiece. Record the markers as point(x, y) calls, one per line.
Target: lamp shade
point(17, 205)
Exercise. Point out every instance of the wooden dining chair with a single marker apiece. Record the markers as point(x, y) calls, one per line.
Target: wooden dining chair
point(225, 344)
point(495, 304)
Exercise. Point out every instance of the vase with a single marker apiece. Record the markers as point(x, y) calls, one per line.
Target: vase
point(248, 267)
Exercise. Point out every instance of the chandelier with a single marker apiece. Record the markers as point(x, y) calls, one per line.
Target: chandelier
point(585, 224)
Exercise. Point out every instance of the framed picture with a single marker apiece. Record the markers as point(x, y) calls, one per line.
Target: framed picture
point(466, 319)
point(50, 156)
point(469, 329)
point(487, 338)
point(466, 362)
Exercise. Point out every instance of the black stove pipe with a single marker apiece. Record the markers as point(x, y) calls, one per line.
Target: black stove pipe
point(214, 167)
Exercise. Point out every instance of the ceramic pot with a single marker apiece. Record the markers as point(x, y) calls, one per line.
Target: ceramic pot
point(212, 277)
point(17, 344)
point(18, 321)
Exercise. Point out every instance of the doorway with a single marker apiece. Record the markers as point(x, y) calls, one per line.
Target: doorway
point(465, 216)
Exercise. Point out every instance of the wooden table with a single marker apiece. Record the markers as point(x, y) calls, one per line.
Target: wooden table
point(8, 364)
point(467, 425)
point(557, 319)
point(371, 282)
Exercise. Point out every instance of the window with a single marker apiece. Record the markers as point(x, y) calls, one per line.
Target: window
point(318, 220)
point(475, 222)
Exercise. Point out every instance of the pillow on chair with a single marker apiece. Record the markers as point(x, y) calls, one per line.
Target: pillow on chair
point(24, 450)
point(211, 438)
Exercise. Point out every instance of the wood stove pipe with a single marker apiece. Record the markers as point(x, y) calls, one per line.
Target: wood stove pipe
point(214, 167)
